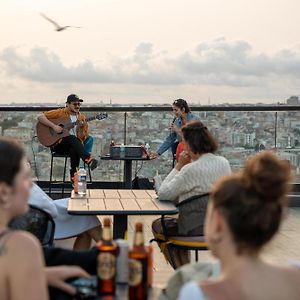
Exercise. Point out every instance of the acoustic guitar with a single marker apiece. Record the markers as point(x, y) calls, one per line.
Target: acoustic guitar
point(48, 137)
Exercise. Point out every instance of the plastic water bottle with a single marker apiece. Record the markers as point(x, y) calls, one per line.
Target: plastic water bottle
point(81, 181)
point(147, 147)
point(157, 181)
point(122, 151)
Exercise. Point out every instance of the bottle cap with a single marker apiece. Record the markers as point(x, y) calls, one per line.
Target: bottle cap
point(139, 227)
point(106, 222)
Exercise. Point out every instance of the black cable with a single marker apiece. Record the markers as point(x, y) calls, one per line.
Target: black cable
point(137, 170)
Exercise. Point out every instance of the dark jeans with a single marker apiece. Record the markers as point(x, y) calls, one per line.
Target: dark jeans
point(72, 146)
point(58, 257)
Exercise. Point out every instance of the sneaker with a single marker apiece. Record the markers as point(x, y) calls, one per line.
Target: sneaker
point(92, 163)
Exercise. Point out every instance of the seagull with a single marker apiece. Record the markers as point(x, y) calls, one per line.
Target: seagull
point(57, 27)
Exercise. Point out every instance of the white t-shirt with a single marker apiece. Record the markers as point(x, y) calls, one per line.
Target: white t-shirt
point(73, 119)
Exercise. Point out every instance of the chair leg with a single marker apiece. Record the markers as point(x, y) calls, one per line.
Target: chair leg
point(90, 173)
point(51, 170)
point(64, 178)
point(196, 255)
point(171, 256)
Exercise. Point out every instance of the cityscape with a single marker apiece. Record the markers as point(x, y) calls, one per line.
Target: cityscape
point(239, 133)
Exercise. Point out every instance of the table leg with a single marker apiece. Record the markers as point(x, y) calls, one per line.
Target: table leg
point(120, 226)
point(128, 174)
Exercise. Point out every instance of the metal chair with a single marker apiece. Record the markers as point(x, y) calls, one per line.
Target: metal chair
point(64, 182)
point(38, 222)
point(195, 243)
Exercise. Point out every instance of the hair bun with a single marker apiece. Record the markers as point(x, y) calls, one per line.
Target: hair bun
point(268, 176)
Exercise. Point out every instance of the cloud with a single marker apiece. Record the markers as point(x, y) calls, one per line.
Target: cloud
point(217, 62)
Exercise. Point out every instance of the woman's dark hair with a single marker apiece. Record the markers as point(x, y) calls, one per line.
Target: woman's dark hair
point(181, 103)
point(11, 154)
point(199, 138)
point(252, 201)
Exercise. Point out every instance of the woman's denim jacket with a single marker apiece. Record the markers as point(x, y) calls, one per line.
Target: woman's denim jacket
point(173, 136)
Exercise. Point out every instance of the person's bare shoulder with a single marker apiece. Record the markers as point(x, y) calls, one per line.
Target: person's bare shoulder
point(22, 242)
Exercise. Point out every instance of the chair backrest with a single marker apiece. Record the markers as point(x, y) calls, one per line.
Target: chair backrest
point(38, 222)
point(192, 213)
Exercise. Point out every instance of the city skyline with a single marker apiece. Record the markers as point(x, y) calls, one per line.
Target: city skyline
point(148, 52)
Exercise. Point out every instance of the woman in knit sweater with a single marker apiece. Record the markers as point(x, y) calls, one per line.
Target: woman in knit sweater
point(194, 174)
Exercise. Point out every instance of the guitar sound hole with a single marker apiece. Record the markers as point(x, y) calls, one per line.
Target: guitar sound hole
point(62, 126)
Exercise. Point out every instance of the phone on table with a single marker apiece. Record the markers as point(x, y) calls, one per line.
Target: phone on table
point(86, 288)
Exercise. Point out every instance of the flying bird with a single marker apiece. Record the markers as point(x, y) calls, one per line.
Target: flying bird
point(57, 26)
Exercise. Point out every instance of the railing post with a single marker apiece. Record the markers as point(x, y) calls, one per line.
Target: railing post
point(275, 132)
point(125, 127)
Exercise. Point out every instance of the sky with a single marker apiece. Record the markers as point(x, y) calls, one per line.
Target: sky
point(150, 51)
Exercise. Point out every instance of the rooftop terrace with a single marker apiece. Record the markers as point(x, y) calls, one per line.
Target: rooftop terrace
point(241, 131)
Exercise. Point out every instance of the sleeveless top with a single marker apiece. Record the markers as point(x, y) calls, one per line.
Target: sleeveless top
point(191, 291)
point(3, 234)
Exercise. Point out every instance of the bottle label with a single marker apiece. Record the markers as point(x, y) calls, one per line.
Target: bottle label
point(135, 272)
point(81, 177)
point(106, 268)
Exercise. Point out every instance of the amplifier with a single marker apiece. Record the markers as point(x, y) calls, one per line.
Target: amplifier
point(130, 151)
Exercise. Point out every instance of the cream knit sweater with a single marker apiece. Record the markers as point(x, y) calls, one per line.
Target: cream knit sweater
point(195, 178)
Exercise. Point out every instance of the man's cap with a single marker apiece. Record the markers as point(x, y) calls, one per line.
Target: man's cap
point(73, 98)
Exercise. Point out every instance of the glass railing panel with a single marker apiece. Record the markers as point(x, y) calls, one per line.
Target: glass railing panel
point(240, 134)
point(288, 139)
point(21, 125)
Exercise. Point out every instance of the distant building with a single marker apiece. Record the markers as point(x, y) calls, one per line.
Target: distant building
point(293, 100)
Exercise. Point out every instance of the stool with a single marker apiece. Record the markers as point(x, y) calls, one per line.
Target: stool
point(63, 181)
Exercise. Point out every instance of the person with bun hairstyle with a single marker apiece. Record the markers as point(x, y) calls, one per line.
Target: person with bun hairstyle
point(182, 116)
point(194, 174)
point(244, 214)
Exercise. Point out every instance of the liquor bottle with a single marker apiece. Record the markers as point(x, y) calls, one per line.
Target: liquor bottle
point(106, 261)
point(138, 266)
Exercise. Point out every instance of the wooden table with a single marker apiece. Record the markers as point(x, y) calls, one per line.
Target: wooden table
point(120, 204)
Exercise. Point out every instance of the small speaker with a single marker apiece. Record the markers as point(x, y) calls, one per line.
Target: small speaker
point(130, 151)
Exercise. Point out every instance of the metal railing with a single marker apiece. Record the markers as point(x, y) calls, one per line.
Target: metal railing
point(241, 131)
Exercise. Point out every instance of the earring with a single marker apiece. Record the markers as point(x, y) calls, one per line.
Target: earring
point(6, 204)
point(216, 239)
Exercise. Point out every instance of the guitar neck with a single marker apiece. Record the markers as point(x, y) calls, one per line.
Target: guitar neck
point(73, 124)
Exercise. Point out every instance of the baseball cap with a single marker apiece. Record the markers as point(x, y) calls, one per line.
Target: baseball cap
point(73, 98)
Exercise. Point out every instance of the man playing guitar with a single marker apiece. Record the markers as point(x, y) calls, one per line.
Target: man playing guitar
point(72, 144)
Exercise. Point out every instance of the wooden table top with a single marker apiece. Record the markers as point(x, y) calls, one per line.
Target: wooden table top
point(119, 201)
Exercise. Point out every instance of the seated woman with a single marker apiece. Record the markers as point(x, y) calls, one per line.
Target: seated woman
point(194, 174)
point(84, 228)
point(243, 215)
point(23, 275)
